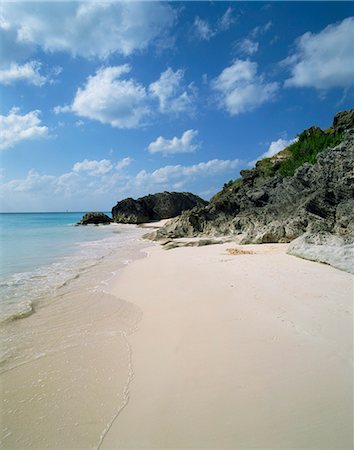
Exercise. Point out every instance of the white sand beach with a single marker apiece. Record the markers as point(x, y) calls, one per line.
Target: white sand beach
point(246, 351)
point(235, 352)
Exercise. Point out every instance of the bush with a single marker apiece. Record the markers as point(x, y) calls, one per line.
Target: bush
point(306, 149)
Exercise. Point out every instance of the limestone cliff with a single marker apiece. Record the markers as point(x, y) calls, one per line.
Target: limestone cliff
point(308, 187)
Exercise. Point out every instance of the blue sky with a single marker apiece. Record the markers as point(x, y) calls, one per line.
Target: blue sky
point(101, 101)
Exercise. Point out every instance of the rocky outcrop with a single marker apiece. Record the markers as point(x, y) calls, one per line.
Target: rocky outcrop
point(327, 248)
point(343, 121)
point(95, 218)
point(282, 198)
point(154, 207)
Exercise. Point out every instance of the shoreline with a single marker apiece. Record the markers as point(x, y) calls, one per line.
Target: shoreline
point(67, 367)
point(209, 334)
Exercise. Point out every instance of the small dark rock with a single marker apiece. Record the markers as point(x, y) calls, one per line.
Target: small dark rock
point(95, 218)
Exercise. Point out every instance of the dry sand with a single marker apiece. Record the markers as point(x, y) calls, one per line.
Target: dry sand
point(237, 352)
point(244, 351)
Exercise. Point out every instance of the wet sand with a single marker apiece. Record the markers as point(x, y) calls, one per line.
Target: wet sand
point(68, 366)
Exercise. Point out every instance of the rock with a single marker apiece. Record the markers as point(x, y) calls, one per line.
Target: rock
point(130, 211)
point(155, 207)
point(344, 221)
point(169, 245)
point(266, 206)
point(344, 120)
point(95, 218)
point(337, 251)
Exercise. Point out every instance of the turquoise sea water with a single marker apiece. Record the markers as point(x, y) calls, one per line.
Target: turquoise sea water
point(39, 252)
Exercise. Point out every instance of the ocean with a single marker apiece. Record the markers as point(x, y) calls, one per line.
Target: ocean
point(41, 252)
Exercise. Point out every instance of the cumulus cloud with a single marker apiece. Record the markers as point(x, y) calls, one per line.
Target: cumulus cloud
point(239, 88)
point(76, 187)
point(93, 167)
point(66, 183)
point(88, 29)
point(323, 60)
point(15, 128)
point(112, 98)
point(29, 72)
point(182, 174)
point(184, 144)
point(108, 98)
point(171, 92)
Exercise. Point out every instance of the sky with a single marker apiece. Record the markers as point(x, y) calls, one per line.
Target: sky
point(103, 101)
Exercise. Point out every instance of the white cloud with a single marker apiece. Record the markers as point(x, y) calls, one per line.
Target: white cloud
point(93, 167)
point(182, 174)
point(112, 98)
point(109, 99)
point(184, 144)
point(277, 146)
point(324, 60)
point(261, 29)
point(241, 89)
point(172, 94)
point(226, 20)
point(202, 29)
point(32, 181)
point(15, 128)
point(62, 109)
point(66, 183)
point(29, 72)
point(247, 46)
point(78, 190)
point(274, 148)
point(88, 29)
point(123, 163)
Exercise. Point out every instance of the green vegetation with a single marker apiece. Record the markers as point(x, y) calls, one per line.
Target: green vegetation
point(228, 184)
point(266, 167)
point(306, 149)
point(309, 144)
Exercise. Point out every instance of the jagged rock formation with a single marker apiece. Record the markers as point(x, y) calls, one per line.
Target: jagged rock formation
point(159, 206)
point(283, 196)
point(95, 218)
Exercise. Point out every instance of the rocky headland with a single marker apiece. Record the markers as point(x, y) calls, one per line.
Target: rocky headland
point(163, 205)
point(306, 191)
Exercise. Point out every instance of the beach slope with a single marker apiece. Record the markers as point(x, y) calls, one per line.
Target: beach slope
point(237, 351)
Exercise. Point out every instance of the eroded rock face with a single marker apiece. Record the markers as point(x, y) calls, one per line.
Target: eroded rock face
point(343, 120)
point(159, 206)
point(262, 208)
point(95, 218)
point(327, 248)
